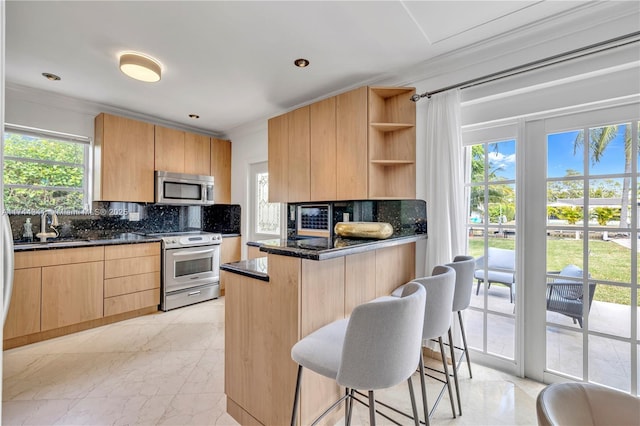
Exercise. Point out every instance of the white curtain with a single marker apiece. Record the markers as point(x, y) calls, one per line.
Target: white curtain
point(446, 206)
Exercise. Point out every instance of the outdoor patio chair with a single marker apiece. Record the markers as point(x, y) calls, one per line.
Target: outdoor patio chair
point(566, 296)
point(502, 265)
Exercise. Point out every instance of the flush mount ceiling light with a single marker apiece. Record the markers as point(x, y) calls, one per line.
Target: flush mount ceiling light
point(301, 63)
point(50, 76)
point(194, 116)
point(140, 67)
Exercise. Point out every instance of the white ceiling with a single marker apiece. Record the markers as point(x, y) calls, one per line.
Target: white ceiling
point(231, 62)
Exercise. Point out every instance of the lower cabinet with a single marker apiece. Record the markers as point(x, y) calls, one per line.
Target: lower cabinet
point(132, 277)
point(229, 252)
point(60, 291)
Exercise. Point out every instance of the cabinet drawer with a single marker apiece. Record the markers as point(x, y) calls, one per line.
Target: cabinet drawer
point(130, 302)
point(131, 266)
point(33, 259)
point(131, 284)
point(131, 250)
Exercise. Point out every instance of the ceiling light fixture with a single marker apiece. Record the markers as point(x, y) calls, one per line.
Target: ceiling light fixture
point(50, 76)
point(140, 67)
point(194, 116)
point(301, 63)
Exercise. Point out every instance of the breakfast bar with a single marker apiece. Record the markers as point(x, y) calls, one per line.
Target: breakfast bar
point(298, 287)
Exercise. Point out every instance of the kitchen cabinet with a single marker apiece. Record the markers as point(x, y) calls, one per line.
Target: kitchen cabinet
point(392, 143)
point(356, 145)
point(169, 149)
point(131, 277)
point(24, 310)
point(71, 294)
point(221, 170)
point(322, 167)
point(299, 158)
point(197, 154)
point(123, 159)
point(278, 158)
point(229, 252)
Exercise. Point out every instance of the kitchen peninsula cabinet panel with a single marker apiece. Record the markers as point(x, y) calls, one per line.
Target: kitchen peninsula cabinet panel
point(197, 154)
point(169, 150)
point(221, 170)
point(351, 139)
point(24, 309)
point(278, 159)
point(299, 159)
point(123, 159)
point(71, 294)
point(323, 149)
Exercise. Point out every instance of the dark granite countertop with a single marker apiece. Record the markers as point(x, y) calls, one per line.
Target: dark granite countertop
point(230, 235)
point(327, 248)
point(95, 240)
point(253, 268)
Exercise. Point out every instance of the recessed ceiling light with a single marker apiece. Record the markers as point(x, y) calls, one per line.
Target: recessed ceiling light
point(50, 76)
point(301, 63)
point(194, 116)
point(141, 67)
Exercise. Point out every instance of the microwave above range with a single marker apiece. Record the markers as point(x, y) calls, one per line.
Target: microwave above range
point(183, 189)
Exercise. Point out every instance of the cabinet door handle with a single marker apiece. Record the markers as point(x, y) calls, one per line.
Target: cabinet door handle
point(193, 293)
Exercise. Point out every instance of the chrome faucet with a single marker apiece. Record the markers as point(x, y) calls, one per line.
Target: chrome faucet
point(43, 234)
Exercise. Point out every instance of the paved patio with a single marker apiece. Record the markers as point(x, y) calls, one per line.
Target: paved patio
point(609, 359)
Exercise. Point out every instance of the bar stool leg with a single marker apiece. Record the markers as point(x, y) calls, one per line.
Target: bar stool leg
point(414, 409)
point(455, 370)
point(372, 409)
point(424, 390)
point(446, 374)
point(464, 341)
point(296, 398)
point(350, 413)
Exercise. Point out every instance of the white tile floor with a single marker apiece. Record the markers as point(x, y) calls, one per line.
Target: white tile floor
point(168, 368)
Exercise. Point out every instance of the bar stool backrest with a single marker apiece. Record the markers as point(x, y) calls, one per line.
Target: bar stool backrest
point(464, 267)
point(440, 287)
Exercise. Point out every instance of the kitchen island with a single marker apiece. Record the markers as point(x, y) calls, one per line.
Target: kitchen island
point(298, 287)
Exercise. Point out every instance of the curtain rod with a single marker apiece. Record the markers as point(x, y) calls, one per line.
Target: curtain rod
point(540, 63)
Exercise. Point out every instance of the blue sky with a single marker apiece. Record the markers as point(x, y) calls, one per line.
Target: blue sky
point(561, 157)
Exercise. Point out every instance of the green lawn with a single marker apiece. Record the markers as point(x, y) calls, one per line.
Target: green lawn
point(607, 261)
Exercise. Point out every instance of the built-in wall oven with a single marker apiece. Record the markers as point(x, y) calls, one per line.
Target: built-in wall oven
point(190, 268)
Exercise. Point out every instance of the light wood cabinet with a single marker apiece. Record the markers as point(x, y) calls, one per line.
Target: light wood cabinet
point(197, 154)
point(24, 310)
point(392, 143)
point(299, 158)
point(169, 149)
point(254, 252)
point(230, 250)
point(322, 167)
point(356, 145)
point(123, 159)
point(278, 159)
point(221, 170)
point(131, 277)
point(71, 294)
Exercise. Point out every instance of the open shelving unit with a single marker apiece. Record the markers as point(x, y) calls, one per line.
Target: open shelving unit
point(392, 143)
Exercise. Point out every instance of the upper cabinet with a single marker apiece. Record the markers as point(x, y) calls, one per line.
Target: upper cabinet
point(356, 145)
point(182, 152)
point(123, 159)
point(221, 170)
point(197, 154)
point(392, 143)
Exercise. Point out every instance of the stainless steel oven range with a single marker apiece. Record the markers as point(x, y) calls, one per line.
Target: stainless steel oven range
point(190, 268)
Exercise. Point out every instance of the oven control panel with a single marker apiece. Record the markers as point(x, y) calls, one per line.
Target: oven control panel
point(192, 240)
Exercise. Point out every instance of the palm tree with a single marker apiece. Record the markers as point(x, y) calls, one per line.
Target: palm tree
point(599, 139)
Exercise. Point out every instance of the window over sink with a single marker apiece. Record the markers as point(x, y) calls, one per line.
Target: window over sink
point(45, 169)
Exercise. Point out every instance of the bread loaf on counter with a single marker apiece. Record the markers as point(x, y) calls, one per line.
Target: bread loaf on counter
point(377, 230)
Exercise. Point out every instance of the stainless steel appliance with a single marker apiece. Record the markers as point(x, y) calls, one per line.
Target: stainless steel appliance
point(190, 268)
point(7, 265)
point(183, 189)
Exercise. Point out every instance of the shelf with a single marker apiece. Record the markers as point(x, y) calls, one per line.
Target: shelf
point(391, 162)
point(391, 127)
point(388, 92)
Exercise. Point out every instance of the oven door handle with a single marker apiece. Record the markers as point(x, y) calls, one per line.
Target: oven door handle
point(191, 253)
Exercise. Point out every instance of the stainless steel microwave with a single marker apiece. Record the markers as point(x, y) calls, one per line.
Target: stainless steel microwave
point(183, 189)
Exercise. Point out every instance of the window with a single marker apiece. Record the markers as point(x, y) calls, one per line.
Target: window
point(265, 218)
point(45, 170)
